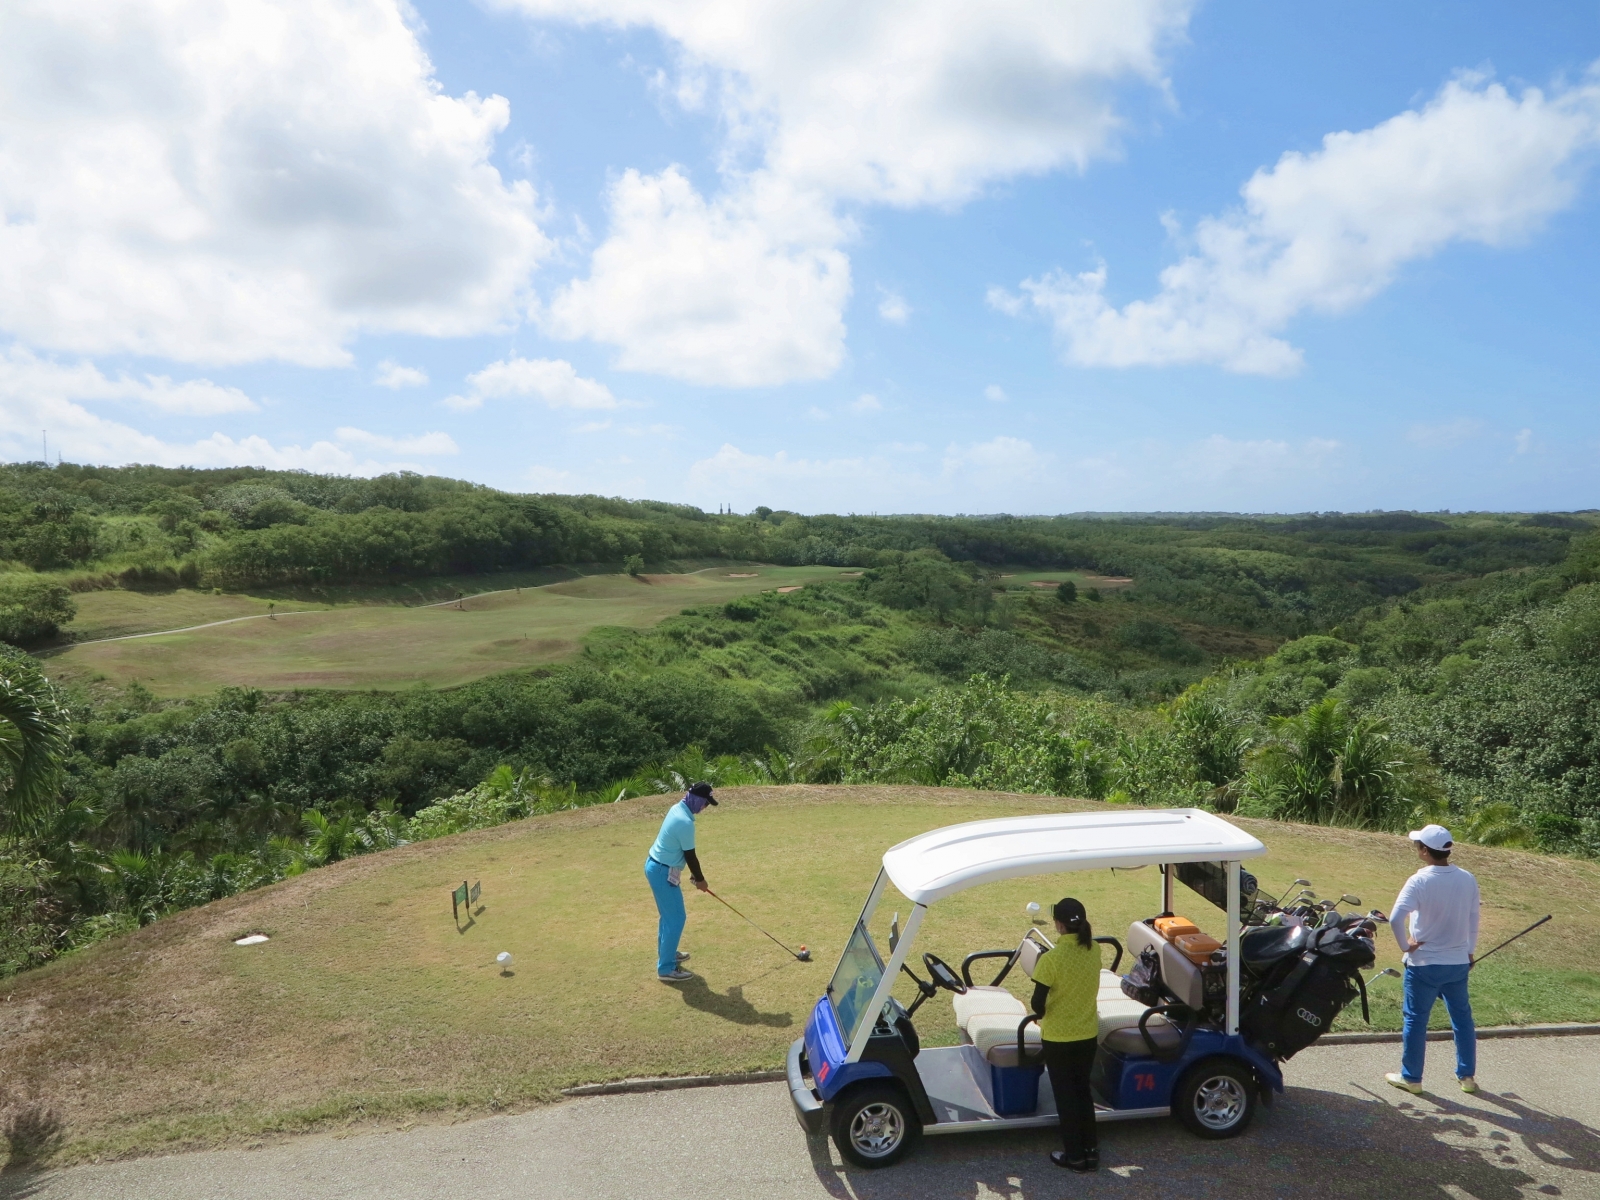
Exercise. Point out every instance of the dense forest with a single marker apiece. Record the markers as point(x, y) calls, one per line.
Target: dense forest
point(1368, 670)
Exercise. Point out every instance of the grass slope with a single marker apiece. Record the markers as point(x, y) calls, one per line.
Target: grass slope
point(375, 645)
point(369, 1003)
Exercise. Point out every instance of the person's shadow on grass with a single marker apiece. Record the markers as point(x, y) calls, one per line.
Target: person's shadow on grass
point(731, 1007)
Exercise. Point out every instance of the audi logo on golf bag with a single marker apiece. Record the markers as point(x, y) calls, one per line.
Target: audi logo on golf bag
point(1310, 1018)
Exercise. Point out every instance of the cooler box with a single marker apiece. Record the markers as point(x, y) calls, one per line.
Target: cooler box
point(1171, 927)
point(1197, 947)
point(1016, 1089)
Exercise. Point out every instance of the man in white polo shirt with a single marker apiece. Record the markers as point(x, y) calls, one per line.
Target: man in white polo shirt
point(1435, 920)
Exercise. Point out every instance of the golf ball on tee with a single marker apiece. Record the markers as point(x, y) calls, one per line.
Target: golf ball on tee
point(504, 959)
point(1033, 909)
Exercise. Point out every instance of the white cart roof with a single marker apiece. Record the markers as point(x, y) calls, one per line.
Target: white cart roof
point(944, 861)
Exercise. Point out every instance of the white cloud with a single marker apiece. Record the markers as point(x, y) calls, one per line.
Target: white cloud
point(902, 102)
point(1524, 440)
point(426, 444)
point(1219, 459)
point(892, 307)
point(907, 101)
point(995, 394)
point(1327, 230)
point(745, 290)
point(866, 403)
point(38, 394)
point(460, 403)
point(1002, 459)
point(236, 180)
point(818, 414)
point(1445, 434)
point(392, 375)
point(553, 380)
point(23, 373)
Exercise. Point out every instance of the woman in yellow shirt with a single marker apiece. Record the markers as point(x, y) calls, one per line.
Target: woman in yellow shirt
point(1066, 982)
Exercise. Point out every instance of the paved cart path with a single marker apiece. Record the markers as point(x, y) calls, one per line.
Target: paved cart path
point(1339, 1132)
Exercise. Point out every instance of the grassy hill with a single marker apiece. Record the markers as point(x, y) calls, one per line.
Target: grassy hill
point(363, 644)
point(369, 1003)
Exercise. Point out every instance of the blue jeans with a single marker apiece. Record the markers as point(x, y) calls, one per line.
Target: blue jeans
point(669, 903)
point(1424, 985)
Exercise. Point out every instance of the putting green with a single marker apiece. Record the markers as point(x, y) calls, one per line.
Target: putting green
point(369, 1002)
point(389, 646)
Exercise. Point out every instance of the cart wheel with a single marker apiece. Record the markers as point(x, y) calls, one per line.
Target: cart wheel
point(1215, 1098)
point(874, 1125)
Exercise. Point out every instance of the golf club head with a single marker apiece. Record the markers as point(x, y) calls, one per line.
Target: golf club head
point(1347, 898)
point(804, 955)
point(1328, 905)
point(1301, 883)
point(1386, 973)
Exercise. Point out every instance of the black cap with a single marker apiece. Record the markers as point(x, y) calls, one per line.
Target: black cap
point(1069, 911)
point(702, 789)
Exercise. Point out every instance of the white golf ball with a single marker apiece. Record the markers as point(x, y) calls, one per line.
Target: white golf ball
point(503, 958)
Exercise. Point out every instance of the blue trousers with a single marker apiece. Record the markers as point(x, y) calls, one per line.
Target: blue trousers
point(669, 903)
point(1424, 985)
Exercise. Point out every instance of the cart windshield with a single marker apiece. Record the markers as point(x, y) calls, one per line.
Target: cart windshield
point(854, 981)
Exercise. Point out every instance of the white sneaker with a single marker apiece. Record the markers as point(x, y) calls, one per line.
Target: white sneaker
point(680, 975)
point(1469, 1085)
point(1395, 1079)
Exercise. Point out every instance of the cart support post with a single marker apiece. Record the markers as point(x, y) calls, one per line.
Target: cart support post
point(1232, 1018)
point(891, 970)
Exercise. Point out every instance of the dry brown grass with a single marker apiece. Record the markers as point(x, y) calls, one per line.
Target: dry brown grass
point(367, 1004)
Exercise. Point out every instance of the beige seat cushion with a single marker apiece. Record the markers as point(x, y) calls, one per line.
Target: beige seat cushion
point(995, 1036)
point(987, 1001)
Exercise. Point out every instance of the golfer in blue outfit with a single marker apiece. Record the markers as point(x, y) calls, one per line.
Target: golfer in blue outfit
point(674, 850)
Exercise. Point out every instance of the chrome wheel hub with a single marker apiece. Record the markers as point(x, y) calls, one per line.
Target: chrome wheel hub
point(877, 1130)
point(1219, 1102)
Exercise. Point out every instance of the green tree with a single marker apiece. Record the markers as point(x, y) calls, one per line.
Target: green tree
point(1067, 592)
point(33, 742)
point(32, 610)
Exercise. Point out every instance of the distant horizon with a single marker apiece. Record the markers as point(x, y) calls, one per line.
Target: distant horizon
point(1086, 515)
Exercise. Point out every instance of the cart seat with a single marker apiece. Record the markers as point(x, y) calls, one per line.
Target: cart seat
point(1127, 1040)
point(987, 1002)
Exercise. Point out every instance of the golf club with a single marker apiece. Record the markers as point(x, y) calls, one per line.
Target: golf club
point(802, 955)
point(1511, 939)
point(1386, 973)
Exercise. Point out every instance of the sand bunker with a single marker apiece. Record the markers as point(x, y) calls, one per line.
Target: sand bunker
point(254, 939)
point(792, 587)
point(743, 575)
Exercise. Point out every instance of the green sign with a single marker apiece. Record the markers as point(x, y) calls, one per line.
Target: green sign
point(458, 900)
point(477, 890)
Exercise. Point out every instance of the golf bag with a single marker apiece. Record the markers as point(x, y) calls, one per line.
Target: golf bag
point(1297, 1005)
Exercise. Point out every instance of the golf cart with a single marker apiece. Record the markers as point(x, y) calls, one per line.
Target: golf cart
point(861, 1074)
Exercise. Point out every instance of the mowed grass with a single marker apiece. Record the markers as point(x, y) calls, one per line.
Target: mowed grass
point(369, 1004)
point(386, 645)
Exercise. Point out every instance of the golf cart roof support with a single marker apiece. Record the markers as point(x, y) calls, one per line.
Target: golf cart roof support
point(945, 861)
point(1231, 1015)
point(891, 971)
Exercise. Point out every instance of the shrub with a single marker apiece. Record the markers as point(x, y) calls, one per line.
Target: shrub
point(32, 610)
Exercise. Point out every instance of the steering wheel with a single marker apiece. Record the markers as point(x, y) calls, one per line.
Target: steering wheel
point(942, 975)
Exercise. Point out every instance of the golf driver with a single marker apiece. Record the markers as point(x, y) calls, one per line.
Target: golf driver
point(1512, 938)
point(801, 955)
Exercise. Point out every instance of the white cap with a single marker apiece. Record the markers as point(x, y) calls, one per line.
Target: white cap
point(1434, 837)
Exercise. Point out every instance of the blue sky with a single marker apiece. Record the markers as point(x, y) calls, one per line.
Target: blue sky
point(897, 257)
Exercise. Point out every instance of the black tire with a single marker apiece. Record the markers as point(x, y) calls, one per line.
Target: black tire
point(1216, 1098)
point(874, 1125)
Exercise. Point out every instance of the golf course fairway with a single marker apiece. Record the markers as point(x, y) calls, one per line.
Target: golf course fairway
point(370, 1004)
point(388, 645)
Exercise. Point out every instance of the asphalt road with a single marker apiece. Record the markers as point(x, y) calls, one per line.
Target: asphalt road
point(1338, 1132)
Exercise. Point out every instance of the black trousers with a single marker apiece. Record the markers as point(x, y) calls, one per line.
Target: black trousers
point(1069, 1064)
